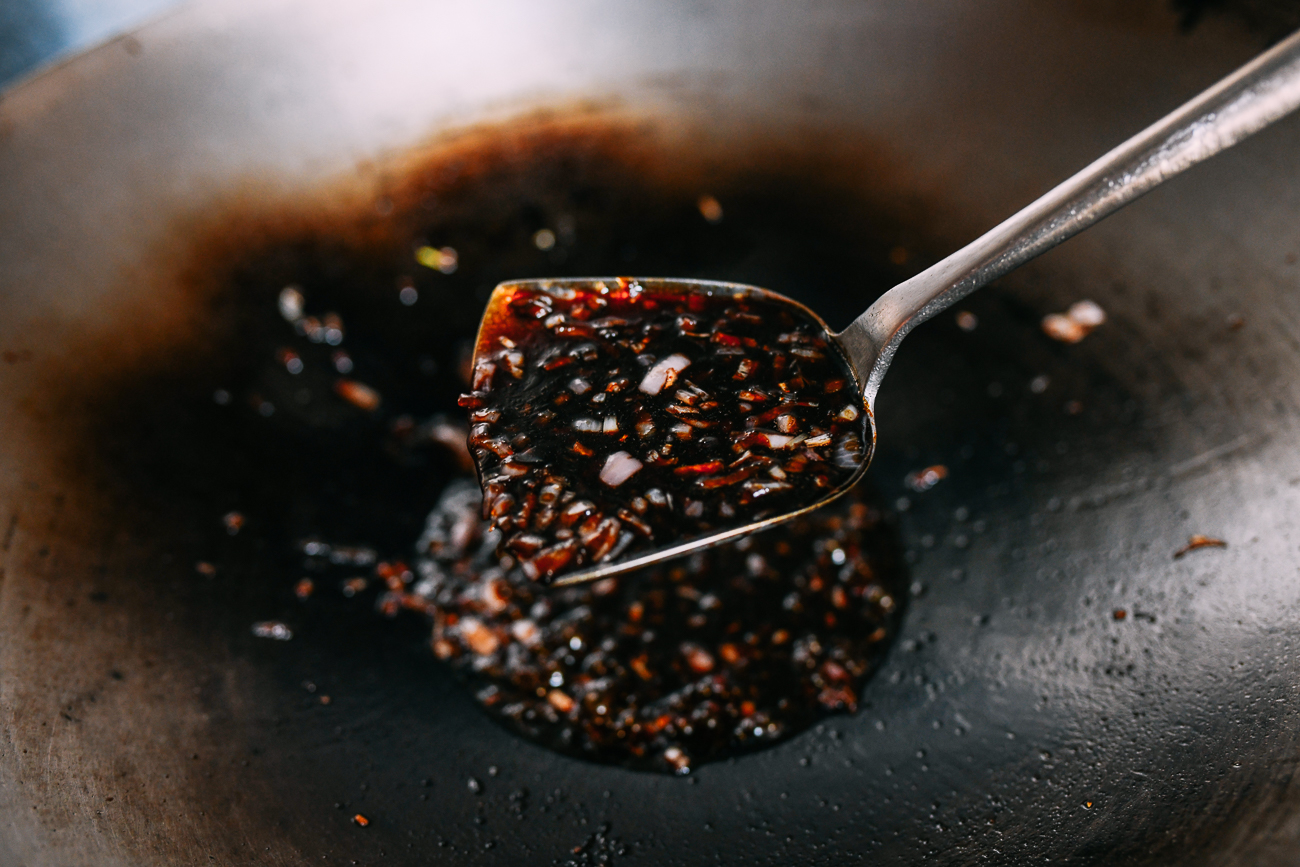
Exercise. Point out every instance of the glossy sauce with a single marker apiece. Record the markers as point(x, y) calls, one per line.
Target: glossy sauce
point(293, 444)
point(613, 417)
point(665, 668)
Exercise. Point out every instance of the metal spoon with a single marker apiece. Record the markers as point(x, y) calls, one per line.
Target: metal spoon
point(1245, 102)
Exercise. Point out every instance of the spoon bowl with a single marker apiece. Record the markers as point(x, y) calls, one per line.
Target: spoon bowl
point(733, 433)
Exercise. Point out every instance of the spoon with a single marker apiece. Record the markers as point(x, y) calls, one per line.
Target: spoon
point(601, 521)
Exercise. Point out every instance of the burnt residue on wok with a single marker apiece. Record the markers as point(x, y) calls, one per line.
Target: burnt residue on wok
point(183, 426)
point(329, 399)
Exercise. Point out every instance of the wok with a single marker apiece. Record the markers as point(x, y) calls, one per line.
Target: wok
point(1018, 718)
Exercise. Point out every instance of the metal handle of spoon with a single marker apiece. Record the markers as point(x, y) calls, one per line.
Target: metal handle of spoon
point(1245, 102)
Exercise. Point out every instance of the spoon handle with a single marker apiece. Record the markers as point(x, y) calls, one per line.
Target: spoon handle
point(1245, 102)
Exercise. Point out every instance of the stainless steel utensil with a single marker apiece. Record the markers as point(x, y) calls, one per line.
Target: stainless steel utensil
point(1256, 95)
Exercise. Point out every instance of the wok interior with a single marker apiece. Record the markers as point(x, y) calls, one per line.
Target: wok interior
point(319, 468)
point(1016, 714)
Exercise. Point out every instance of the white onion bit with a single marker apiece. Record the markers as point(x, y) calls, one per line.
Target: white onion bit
point(1078, 322)
point(619, 467)
point(1087, 313)
point(664, 373)
point(291, 303)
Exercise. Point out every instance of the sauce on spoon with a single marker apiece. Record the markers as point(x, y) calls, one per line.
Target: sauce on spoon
point(614, 417)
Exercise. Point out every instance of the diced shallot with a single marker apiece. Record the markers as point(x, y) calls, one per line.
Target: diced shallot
point(483, 373)
point(1087, 313)
point(1063, 328)
point(526, 632)
point(619, 467)
point(664, 373)
point(291, 303)
point(1078, 322)
point(481, 639)
point(272, 629)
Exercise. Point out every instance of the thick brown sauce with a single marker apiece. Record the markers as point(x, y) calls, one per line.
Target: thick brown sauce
point(668, 667)
point(612, 417)
point(332, 424)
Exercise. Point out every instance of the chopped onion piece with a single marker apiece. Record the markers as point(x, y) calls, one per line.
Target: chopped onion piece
point(619, 467)
point(1087, 313)
point(1063, 328)
point(291, 303)
point(664, 373)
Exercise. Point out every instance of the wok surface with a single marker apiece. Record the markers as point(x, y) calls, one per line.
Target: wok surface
point(1015, 720)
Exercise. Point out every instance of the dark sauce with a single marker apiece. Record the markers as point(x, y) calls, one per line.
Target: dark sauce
point(335, 431)
point(667, 667)
point(614, 417)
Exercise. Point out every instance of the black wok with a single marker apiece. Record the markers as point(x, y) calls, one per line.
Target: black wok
point(1018, 718)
